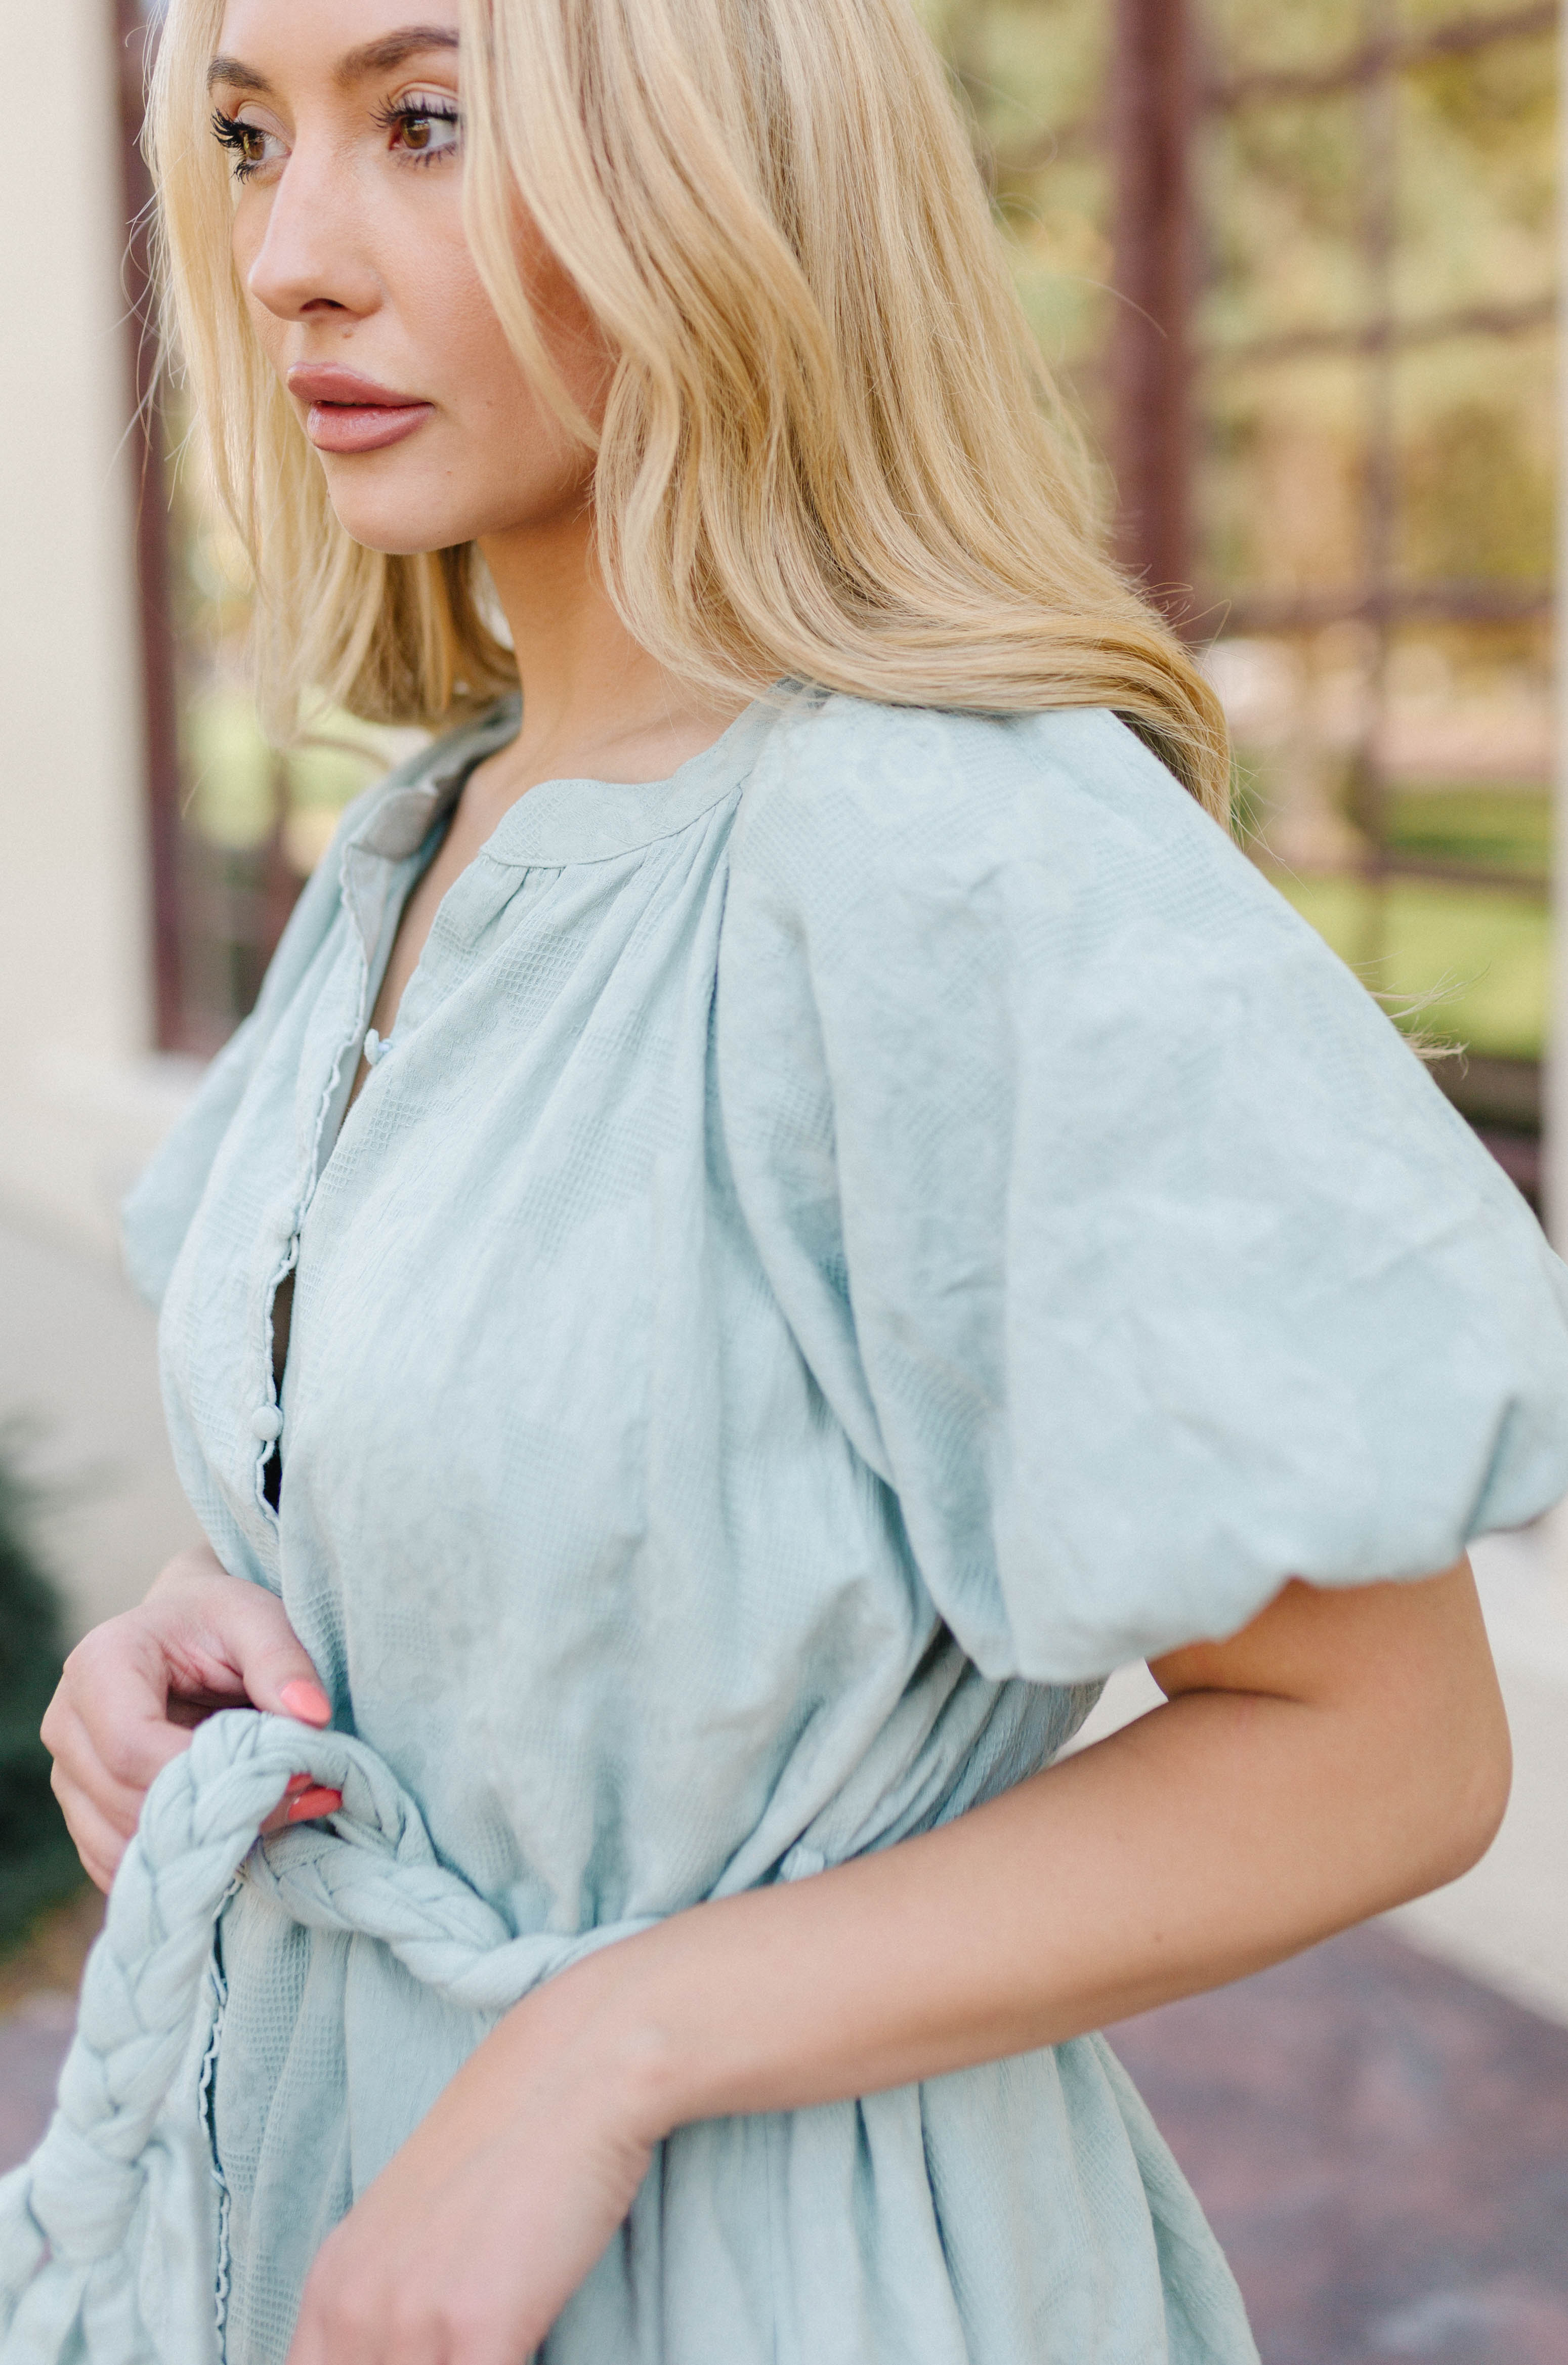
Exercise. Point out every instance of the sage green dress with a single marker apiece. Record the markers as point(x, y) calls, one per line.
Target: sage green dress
point(842, 1247)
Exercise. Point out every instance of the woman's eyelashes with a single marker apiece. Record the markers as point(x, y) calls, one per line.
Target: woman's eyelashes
point(421, 127)
point(247, 143)
point(419, 130)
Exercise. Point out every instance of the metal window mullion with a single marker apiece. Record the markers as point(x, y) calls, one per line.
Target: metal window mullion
point(1151, 110)
point(1380, 495)
point(155, 621)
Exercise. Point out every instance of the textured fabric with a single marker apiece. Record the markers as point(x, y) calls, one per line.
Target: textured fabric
point(86, 2262)
point(109, 2250)
point(841, 1249)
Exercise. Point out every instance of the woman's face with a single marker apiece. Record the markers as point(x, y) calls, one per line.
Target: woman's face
point(341, 119)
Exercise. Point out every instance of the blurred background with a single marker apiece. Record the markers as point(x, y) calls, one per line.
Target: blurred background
point(1295, 265)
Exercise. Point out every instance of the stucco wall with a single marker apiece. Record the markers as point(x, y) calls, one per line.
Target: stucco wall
point(80, 1101)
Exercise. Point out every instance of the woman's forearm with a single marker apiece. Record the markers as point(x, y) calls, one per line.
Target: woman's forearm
point(1345, 1752)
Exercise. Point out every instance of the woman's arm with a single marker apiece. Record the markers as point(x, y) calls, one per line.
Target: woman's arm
point(1345, 1752)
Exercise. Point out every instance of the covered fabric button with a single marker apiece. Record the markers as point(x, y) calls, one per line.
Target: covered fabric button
point(266, 1422)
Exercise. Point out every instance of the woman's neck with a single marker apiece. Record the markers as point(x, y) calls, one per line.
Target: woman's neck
point(596, 704)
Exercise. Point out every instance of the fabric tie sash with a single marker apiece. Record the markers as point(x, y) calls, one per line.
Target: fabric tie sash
point(107, 2254)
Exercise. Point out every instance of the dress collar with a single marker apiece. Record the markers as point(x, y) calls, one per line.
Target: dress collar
point(564, 820)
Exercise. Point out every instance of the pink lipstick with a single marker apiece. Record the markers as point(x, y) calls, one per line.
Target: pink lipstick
point(349, 413)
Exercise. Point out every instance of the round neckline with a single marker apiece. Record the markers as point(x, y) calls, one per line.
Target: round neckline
point(585, 820)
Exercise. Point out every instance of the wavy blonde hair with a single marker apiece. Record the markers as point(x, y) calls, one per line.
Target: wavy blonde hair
point(831, 450)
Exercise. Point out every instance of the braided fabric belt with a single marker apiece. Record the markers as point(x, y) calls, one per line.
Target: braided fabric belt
point(107, 2254)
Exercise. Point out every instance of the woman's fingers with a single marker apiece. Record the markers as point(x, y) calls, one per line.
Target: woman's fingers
point(314, 1803)
point(101, 1774)
point(223, 1636)
point(133, 1690)
point(302, 1802)
point(107, 1721)
point(278, 1819)
point(273, 1664)
point(96, 1842)
point(77, 1765)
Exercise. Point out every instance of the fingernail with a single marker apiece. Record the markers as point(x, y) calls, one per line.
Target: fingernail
point(307, 1701)
point(314, 1803)
point(298, 1782)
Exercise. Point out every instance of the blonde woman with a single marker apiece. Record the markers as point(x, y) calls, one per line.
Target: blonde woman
point(784, 1209)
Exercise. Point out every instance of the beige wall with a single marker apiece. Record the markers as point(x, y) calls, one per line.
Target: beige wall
point(80, 1100)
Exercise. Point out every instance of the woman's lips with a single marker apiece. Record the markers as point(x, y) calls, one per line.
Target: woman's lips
point(363, 426)
point(349, 413)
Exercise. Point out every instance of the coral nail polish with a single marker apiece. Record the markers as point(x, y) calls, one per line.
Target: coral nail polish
point(307, 1701)
point(305, 1808)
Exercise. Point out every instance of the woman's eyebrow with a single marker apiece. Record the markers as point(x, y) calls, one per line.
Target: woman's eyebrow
point(235, 74)
point(375, 57)
point(392, 50)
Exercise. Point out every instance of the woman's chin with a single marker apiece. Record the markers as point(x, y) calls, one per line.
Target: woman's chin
point(402, 510)
point(396, 536)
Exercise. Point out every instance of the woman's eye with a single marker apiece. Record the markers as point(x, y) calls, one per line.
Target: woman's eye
point(248, 144)
point(423, 130)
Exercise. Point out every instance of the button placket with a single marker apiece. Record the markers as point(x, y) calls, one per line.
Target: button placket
point(373, 869)
point(375, 880)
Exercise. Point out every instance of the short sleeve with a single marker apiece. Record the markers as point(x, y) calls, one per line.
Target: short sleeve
point(1137, 1251)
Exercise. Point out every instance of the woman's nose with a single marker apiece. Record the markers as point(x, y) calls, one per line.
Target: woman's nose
point(315, 250)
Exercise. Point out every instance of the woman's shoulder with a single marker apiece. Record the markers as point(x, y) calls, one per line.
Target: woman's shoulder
point(832, 757)
point(1065, 810)
point(946, 890)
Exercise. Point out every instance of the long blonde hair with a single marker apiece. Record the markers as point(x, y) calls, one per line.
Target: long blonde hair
point(831, 450)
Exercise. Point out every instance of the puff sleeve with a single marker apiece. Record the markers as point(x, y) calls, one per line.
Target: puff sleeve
point(1135, 1250)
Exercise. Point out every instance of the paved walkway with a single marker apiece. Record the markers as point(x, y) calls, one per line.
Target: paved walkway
point(1381, 2146)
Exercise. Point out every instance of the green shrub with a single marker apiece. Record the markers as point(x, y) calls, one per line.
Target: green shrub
point(39, 1866)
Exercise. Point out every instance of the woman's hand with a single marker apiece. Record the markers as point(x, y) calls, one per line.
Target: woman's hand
point(468, 2245)
point(133, 1690)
